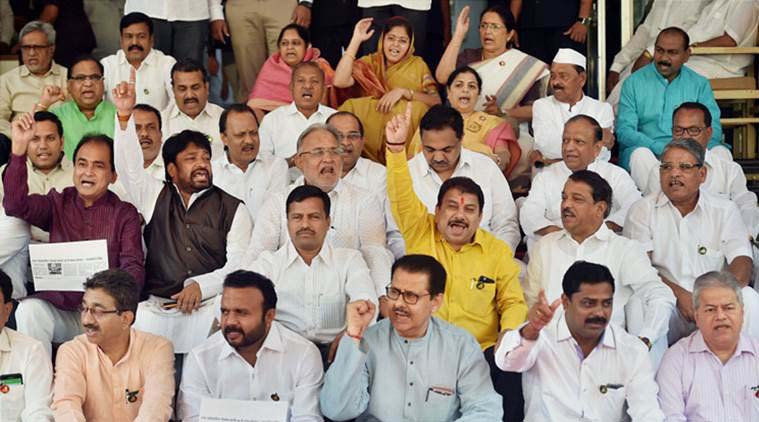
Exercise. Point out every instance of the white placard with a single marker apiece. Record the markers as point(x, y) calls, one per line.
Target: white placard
point(224, 410)
point(65, 266)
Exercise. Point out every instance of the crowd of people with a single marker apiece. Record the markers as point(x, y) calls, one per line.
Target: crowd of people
point(366, 235)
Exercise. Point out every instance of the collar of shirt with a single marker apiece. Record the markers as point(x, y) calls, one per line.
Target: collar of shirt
point(566, 106)
point(662, 200)
point(54, 70)
point(661, 79)
point(193, 197)
point(300, 181)
point(157, 163)
point(325, 254)
point(273, 342)
point(602, 234)
point(465, 160)
point(63, 165)
point(563, 334)
point(175, 112)
point(124, 359)
point(476, 242)
point(5, 342)
point(698, 345)
point(360, 169)
point(413, 341)
point(102, 201)
point(292, 109)
point(233, 167)
point(99, 110)
point(149, 60)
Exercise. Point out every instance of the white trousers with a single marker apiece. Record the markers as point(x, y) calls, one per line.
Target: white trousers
point(41, 320)
point(634, 322)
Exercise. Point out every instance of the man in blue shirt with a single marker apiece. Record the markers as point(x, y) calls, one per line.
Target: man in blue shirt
point(650, 95)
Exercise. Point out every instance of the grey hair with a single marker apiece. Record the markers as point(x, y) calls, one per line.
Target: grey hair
point(40, 26)
point(723, 279)
point(316, 127)
point(689, 145)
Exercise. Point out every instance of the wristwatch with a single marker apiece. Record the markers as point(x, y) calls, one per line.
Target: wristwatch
point(584, 21)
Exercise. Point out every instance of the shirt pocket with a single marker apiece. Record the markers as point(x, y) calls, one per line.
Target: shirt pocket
point(612, 403)
point(332, 311)
point(712, 259)
point(438, 406)
point(752, 403)
point(477, 298)
point(12, 403)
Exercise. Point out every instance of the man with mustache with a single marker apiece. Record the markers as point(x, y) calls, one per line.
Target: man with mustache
point(549, 114)
point(252, 345)
point(690, 375)
point(147, 123)
point(113, 372)
point(242, 171)
point(576, 365)
point(689, 231)
point(582, 143)
point(643, 304)
point(411, 365)
point(153, 68)
point(190, 108)
point(483, 294)
point(650, 95)
point(314, 279)
point(195, 233)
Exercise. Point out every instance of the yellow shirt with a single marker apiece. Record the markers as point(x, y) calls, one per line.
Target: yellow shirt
point(485, 309)
point(20, 90)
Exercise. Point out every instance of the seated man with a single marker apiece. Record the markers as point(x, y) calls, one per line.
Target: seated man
point(443, 157)
point(86, 211)
point(14, 252)
point(582, 143)
point(147, 123)
point(689, 231)
point(576, 365)
point(112, 372)
point(20, 87)
point(692, 383)
point(550, 114)
point(483, 294)
point(357, 216)
point(649, 96)
point(190, 108)
point(86, 112)
point(153, 68)
point(242, 171)
point(281, 127)
point(411, 365)
point(25, 369)
point(251, 345)
point(314, 280)
point(643, 304)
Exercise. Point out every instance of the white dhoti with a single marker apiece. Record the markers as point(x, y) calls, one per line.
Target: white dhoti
point(185, 331)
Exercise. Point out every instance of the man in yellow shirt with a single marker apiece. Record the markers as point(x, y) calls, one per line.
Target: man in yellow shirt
point(482, 294)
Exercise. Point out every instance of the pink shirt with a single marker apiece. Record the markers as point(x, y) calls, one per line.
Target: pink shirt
point(694, 385)
point(88, 387)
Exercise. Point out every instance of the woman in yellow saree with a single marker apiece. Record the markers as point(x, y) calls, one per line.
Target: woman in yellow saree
point(385, 81)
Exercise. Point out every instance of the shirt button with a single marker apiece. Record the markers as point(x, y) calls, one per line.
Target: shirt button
point(411, 384)
point(405, 341)
point(412, 362)
point(409, 404)
point(189, 272)
point(187, 226)
point(188, 249)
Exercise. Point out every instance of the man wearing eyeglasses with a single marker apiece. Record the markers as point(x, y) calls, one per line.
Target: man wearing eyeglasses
point(86, 111)
point(410, 366)
point(689, 231)
point(20, 87)
point(112, 372)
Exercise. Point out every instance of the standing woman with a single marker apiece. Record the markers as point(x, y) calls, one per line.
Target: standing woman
point(385, 81)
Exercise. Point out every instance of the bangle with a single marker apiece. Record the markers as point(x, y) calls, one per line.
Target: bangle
point(349, 55)
point(410, 94)
point(41, 106)
point(123, 118)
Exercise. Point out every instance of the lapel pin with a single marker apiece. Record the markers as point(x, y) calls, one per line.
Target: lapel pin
point(4, 388)
point(702, 250)
point(275, 397)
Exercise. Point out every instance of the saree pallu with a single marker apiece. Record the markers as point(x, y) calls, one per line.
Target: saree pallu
point(510, 77)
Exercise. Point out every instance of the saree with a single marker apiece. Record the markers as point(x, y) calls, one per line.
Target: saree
point(483, 133)
point(272, 87)
point(511, 77)
point(374, 80)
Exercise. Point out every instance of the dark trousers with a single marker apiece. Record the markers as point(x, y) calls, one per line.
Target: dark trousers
point(509, 386)
point(331, 40)
point(5, 149)
point(544, 43)
point(181, 39)
point(417, 19)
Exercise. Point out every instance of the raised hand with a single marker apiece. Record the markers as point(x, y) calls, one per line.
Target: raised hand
point(363, 30)
point(22, 132)
point(358, 315)
point(51, 94)
point(124, 96)
point(539, 316)
point(396, 130)
point(462, 24)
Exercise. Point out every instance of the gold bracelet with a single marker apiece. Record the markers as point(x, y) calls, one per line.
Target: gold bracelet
point(41, 107)
point(350, 55)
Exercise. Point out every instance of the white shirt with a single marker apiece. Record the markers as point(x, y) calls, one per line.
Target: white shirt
point(725, 179)
point(177, 10)
point(407, 4)
point(144, 191)
point(549, 116)
point(561, 385)
point(31, 400)
point(263, 175)
point(542, 207)
point(737, 18)
point(357, 223)
point(683, 248)
point(311, 299)
point(281, 128)
point(287, 366)
point(499, 214)
point(633, 274)
point(14, 253)
point(153, 77)
point(156, 169)
point(207, 122)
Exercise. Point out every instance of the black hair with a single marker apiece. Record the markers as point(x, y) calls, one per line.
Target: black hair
point(178, 143)
point(46, 116)
point(465, 69)
point(464, 185)
point(599, 187)
point(397, 21)
point(598, 132)
point(150, 109)
point(235, 108)
point(582, 272)
point(692, 105)
point(119, 285)
point(84, 58)
point(96, 139)
point(188, 66)
point(301, 193)
point(440, 117)
point(348, 113)
point(678, 31)
point(302, 33)
point(424, 264)
point(242, 279)
point(135, 17)
point(6, 287)
point(505, 14)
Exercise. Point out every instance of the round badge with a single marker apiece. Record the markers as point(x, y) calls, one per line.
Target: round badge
point(702, 250)
point(603, 389)
point(132, 398)
point(146, 91)
point(502, 63)
point(275, 397)
point(756, 394)
point(4, 388)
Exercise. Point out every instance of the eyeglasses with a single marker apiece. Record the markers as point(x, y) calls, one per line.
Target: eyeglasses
point(92, 78)
point(353, 137)
point(321, 152)
point(29, 47)
point(491, 26)
point(409, 297)
point(684, 167)
point(97, 313)
point(692, 131)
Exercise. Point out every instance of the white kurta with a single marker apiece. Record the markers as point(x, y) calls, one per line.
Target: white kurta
point(207, 122)
point(153, 77)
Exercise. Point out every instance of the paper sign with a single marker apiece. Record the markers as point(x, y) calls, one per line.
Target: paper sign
point(65, 266)
point(223, 410)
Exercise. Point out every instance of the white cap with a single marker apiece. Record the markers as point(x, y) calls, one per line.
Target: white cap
point(569, 56)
